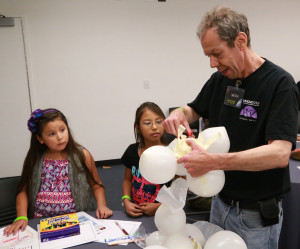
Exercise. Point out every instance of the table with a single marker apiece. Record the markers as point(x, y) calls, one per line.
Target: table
point(289, 237)
point(147, 222)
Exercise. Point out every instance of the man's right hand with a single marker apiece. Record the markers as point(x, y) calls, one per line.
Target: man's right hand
point(175, 119)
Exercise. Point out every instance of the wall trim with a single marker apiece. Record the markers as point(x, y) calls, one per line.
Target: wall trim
point(110, 162)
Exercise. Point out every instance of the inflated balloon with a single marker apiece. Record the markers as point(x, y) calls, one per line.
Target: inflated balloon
point(181, 170)
point(158, 164)
point(178, 241)
point(173, 144)
point(225, 240)
point(155, 247)
point(221, 144)
point(207, 185)
point(155, 238)
point(168, 222)
point(194, 232)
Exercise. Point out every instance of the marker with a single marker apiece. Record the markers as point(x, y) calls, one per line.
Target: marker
point(119, 238)
point(121, 228)
point(118, 242)
point(126, 237)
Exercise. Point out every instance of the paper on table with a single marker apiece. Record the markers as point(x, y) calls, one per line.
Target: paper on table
point(99, 226)
point(298, 167)
point(87, 234)
point(113, 231)
point(27, 239)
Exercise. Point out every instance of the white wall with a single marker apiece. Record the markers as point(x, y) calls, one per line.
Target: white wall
point(90, 58)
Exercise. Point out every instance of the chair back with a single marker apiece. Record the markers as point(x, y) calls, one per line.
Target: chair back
point(8, 190)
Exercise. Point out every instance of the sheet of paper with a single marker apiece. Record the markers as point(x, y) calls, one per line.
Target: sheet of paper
point(113, 231)
point(27, 239)
point(87, 234)
point(99, 225)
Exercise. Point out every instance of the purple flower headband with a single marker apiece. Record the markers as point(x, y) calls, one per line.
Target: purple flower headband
point(35, 118)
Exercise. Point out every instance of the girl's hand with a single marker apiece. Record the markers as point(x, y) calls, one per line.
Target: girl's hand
point(149, 208)
point(103, 212)
point(132, 209)
point(14, 227)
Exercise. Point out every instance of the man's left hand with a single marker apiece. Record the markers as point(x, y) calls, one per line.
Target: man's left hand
point(198, 162)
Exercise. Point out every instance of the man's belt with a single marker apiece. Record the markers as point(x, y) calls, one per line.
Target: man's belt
point(240, 204)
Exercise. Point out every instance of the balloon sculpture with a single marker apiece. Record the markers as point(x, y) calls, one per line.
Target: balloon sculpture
point(158, 164)
point(214, 140)
point(170, 220)
point(163, 160)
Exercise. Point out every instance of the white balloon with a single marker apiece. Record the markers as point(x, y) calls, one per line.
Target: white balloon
point(155, 238)
point(158, 164)
point(225, 240)
point(173, 144)
point(178, 241)
point(207, 185)
point(168, 222)
point(155, 247)
point(194, 232)
point(180, 170)
point(221, 145)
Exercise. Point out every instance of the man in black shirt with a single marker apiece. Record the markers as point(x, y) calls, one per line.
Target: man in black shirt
point(256, 101)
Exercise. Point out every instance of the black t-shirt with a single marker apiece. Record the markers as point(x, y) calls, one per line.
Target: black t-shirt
point(268, 112)
point(131, 157)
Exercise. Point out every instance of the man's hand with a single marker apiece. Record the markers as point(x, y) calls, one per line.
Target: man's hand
point(198, 162)
point(176, 118)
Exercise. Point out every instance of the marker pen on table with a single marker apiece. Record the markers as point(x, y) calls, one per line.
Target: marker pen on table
point(121, 228)
point(125, 237)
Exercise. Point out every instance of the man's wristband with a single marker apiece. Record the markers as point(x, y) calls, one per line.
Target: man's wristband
point(126, 197)
point(21, 218)
point(181, 108)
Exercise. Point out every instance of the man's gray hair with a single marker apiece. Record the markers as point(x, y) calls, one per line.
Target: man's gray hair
point(229, 24)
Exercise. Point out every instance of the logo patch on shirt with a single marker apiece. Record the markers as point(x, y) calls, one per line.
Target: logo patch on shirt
point(249, 110)
point(248, 113)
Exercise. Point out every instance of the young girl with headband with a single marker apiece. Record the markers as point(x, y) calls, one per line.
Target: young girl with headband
point(59, 176)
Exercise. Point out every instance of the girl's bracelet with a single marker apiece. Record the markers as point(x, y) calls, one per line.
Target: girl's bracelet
point(181, 108)
point(21, 218)
point(126, 197)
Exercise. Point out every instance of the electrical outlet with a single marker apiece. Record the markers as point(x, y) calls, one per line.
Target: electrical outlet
point(146, 84)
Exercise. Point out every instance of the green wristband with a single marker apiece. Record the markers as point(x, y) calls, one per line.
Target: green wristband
point(181, 108)
point(21, 218)
point(126, 197)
